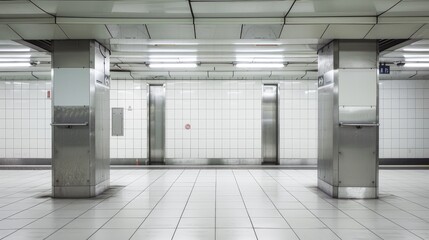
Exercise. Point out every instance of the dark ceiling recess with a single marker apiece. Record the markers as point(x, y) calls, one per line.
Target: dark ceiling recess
point(384, 44)
point(40, 45)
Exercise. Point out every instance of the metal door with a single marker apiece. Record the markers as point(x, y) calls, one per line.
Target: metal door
point(156, 124)
point(270, 124)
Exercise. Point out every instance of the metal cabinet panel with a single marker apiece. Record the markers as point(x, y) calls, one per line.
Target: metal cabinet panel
point(117, 122)
point(270, 124)
point(156, 128)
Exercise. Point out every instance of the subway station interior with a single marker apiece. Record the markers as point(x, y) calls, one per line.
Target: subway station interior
point(214, 119)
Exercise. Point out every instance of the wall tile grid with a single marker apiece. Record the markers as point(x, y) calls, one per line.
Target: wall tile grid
point(25, 116)
point(404, 119)
point(130, 95)
point(224, 116)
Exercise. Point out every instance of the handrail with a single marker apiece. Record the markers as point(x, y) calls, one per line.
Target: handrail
point(70, 124)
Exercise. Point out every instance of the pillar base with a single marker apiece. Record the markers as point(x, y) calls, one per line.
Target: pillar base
point(348, 192)
point(80, 191)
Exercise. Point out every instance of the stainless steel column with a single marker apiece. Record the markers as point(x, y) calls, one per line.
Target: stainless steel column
point(270, 131)
point(80, 119)
point(156, 124)
point(348, 119)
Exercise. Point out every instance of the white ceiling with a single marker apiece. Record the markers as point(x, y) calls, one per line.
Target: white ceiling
point(214, 33)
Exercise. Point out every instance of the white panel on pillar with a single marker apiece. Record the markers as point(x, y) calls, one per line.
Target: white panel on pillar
point(422, 32)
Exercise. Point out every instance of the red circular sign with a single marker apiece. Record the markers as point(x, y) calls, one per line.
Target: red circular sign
point(188, 126)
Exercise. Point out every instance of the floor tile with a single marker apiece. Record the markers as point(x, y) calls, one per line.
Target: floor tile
point(355, 234)
point(154, 223)
point(269, 223)
point(316, 234)
point(112, 234)
point(72, 234)
point(33, 234)
point(87, 223)
point(194, 234)
point(153, 234)
point(235, 234)
point(276, 234)
point(124, 223)
point(197, 223)
point(233, 223)
point(305, 223)
point(395, 234)
point(341, 223)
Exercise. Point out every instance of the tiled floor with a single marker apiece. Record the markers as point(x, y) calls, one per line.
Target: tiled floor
point(217, 204)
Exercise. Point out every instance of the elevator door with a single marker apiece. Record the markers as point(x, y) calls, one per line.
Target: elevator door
point(156, 128)
point(269, 124)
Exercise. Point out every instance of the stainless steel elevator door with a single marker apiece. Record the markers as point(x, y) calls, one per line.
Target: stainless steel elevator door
point(269, 124)
point(156, 128)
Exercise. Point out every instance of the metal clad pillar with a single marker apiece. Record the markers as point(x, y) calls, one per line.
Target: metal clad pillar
point(348, 119)
point(80, 119)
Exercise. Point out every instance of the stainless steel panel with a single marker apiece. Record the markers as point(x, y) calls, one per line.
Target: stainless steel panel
point(117, 122)
point(156, 128)
point(349, 114)
point(71, 147)
point(270, 124)
point(357, 156)
point(358, 54)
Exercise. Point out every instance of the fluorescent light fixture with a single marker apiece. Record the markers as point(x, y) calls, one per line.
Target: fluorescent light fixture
point(260, 60)
point(172, 60)
point(416, 65)
point(14, 60)
point(415, 56)
point(259, 65)
point(27, 64)
point(171, 50)
point(15, 56)
point(258, 50)
point(416, 49)
point(14, 49)
point(416, 59)
point(173, 65)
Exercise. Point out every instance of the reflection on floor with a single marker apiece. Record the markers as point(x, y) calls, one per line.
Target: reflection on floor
point(263, 204)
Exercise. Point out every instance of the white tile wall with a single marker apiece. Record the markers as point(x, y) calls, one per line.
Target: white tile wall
point(298, 119)
point(224, 116)
point(130, 95)
point(404, 119)
point(25, 115)
point(225, 119)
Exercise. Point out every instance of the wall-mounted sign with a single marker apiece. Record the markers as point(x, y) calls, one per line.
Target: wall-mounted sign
point(384, 69)
point(188, 126)
point(321, 81)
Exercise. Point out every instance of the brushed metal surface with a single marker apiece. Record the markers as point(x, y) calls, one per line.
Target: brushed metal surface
point(71, 147)
point(348, 119)
point(81, 129)
point(156, 128)
point(117, 121)
point(270, 129)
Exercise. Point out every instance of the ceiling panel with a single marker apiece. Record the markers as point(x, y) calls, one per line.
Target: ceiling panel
point(218, 31)
point(124, 8)
point(39, 31)
point(412, 8)
point(340, 7)
point(93, 31)
point(7, 34)
point(346, 31)
point(422, 32)
point(303, 31)
point(19, 8)
point(261, 31)
point(122, 31)
point(241, 8)
point(160, 31)
point(392, 31)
